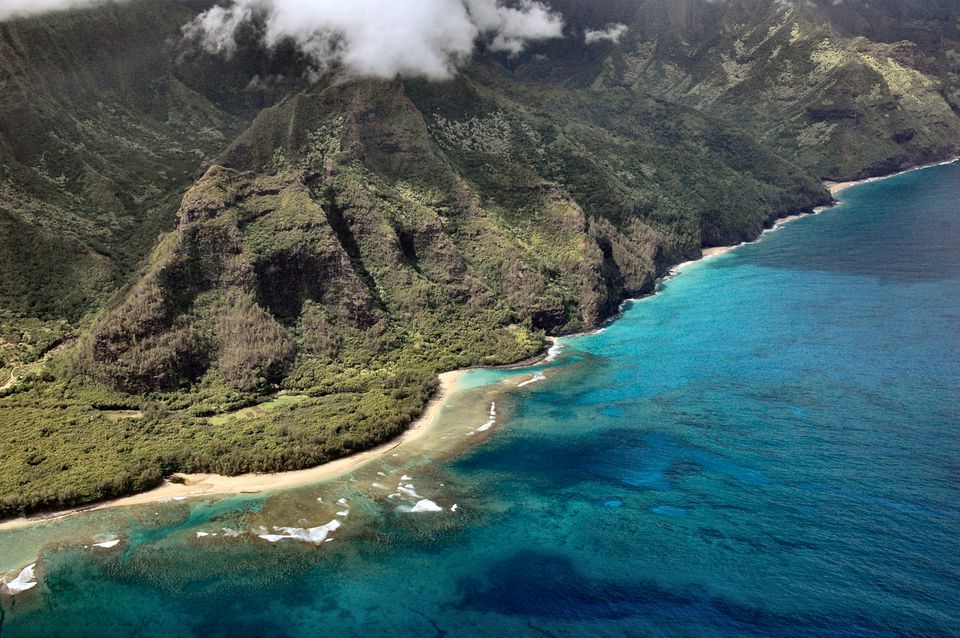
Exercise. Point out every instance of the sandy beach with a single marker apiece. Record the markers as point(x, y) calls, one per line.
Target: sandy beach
point(836, 187)
point(716, 250)
point(707, 253)
point(197, 485)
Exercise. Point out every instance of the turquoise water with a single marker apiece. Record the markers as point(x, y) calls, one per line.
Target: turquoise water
point(769, 447)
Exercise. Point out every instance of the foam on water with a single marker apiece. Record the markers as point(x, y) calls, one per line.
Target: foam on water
point(425, 505)
point(553, 352)
point(408, 490)
point(489, 424)
point(24, 581)
point(315, 535)
point(486, 426)
point(535, 379)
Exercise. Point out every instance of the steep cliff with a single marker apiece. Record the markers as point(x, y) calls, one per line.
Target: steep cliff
point(846, 90)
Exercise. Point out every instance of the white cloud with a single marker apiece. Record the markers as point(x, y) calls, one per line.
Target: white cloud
point(383, 38)
point(513, 27)
point(612, 33)
point(22, 8)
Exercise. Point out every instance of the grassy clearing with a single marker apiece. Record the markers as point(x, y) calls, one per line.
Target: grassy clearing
point(260, 409)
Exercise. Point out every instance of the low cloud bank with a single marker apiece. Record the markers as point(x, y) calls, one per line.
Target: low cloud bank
point(24, 8)
point(612, 33)
point(382, 38)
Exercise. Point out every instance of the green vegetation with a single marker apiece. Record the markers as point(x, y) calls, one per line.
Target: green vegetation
point(25, 340)
point(253, 412)
point(356, 238)
point(846, 90)
point(99, 139)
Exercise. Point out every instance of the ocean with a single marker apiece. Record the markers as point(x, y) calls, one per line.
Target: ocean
point(769, 446)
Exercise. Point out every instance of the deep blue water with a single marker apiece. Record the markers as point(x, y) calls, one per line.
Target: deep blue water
point(768, 447)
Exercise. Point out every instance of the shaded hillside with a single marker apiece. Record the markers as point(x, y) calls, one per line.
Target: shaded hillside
point(806, 77)
point(98, 140)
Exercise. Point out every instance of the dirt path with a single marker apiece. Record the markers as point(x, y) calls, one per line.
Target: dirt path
point(21, 370)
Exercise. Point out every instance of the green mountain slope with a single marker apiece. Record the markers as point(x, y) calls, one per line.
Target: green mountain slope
point(355, 238)
point(481, 218)
point(98, 141)
point(806, 77)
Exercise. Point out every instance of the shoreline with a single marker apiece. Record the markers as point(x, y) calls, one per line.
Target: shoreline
point(713, 251)
point(186, 486)
point(199, 485)
point(837, 187)
point(833, 187)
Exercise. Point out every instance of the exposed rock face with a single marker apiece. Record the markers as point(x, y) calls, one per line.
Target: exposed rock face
point(247, 253)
